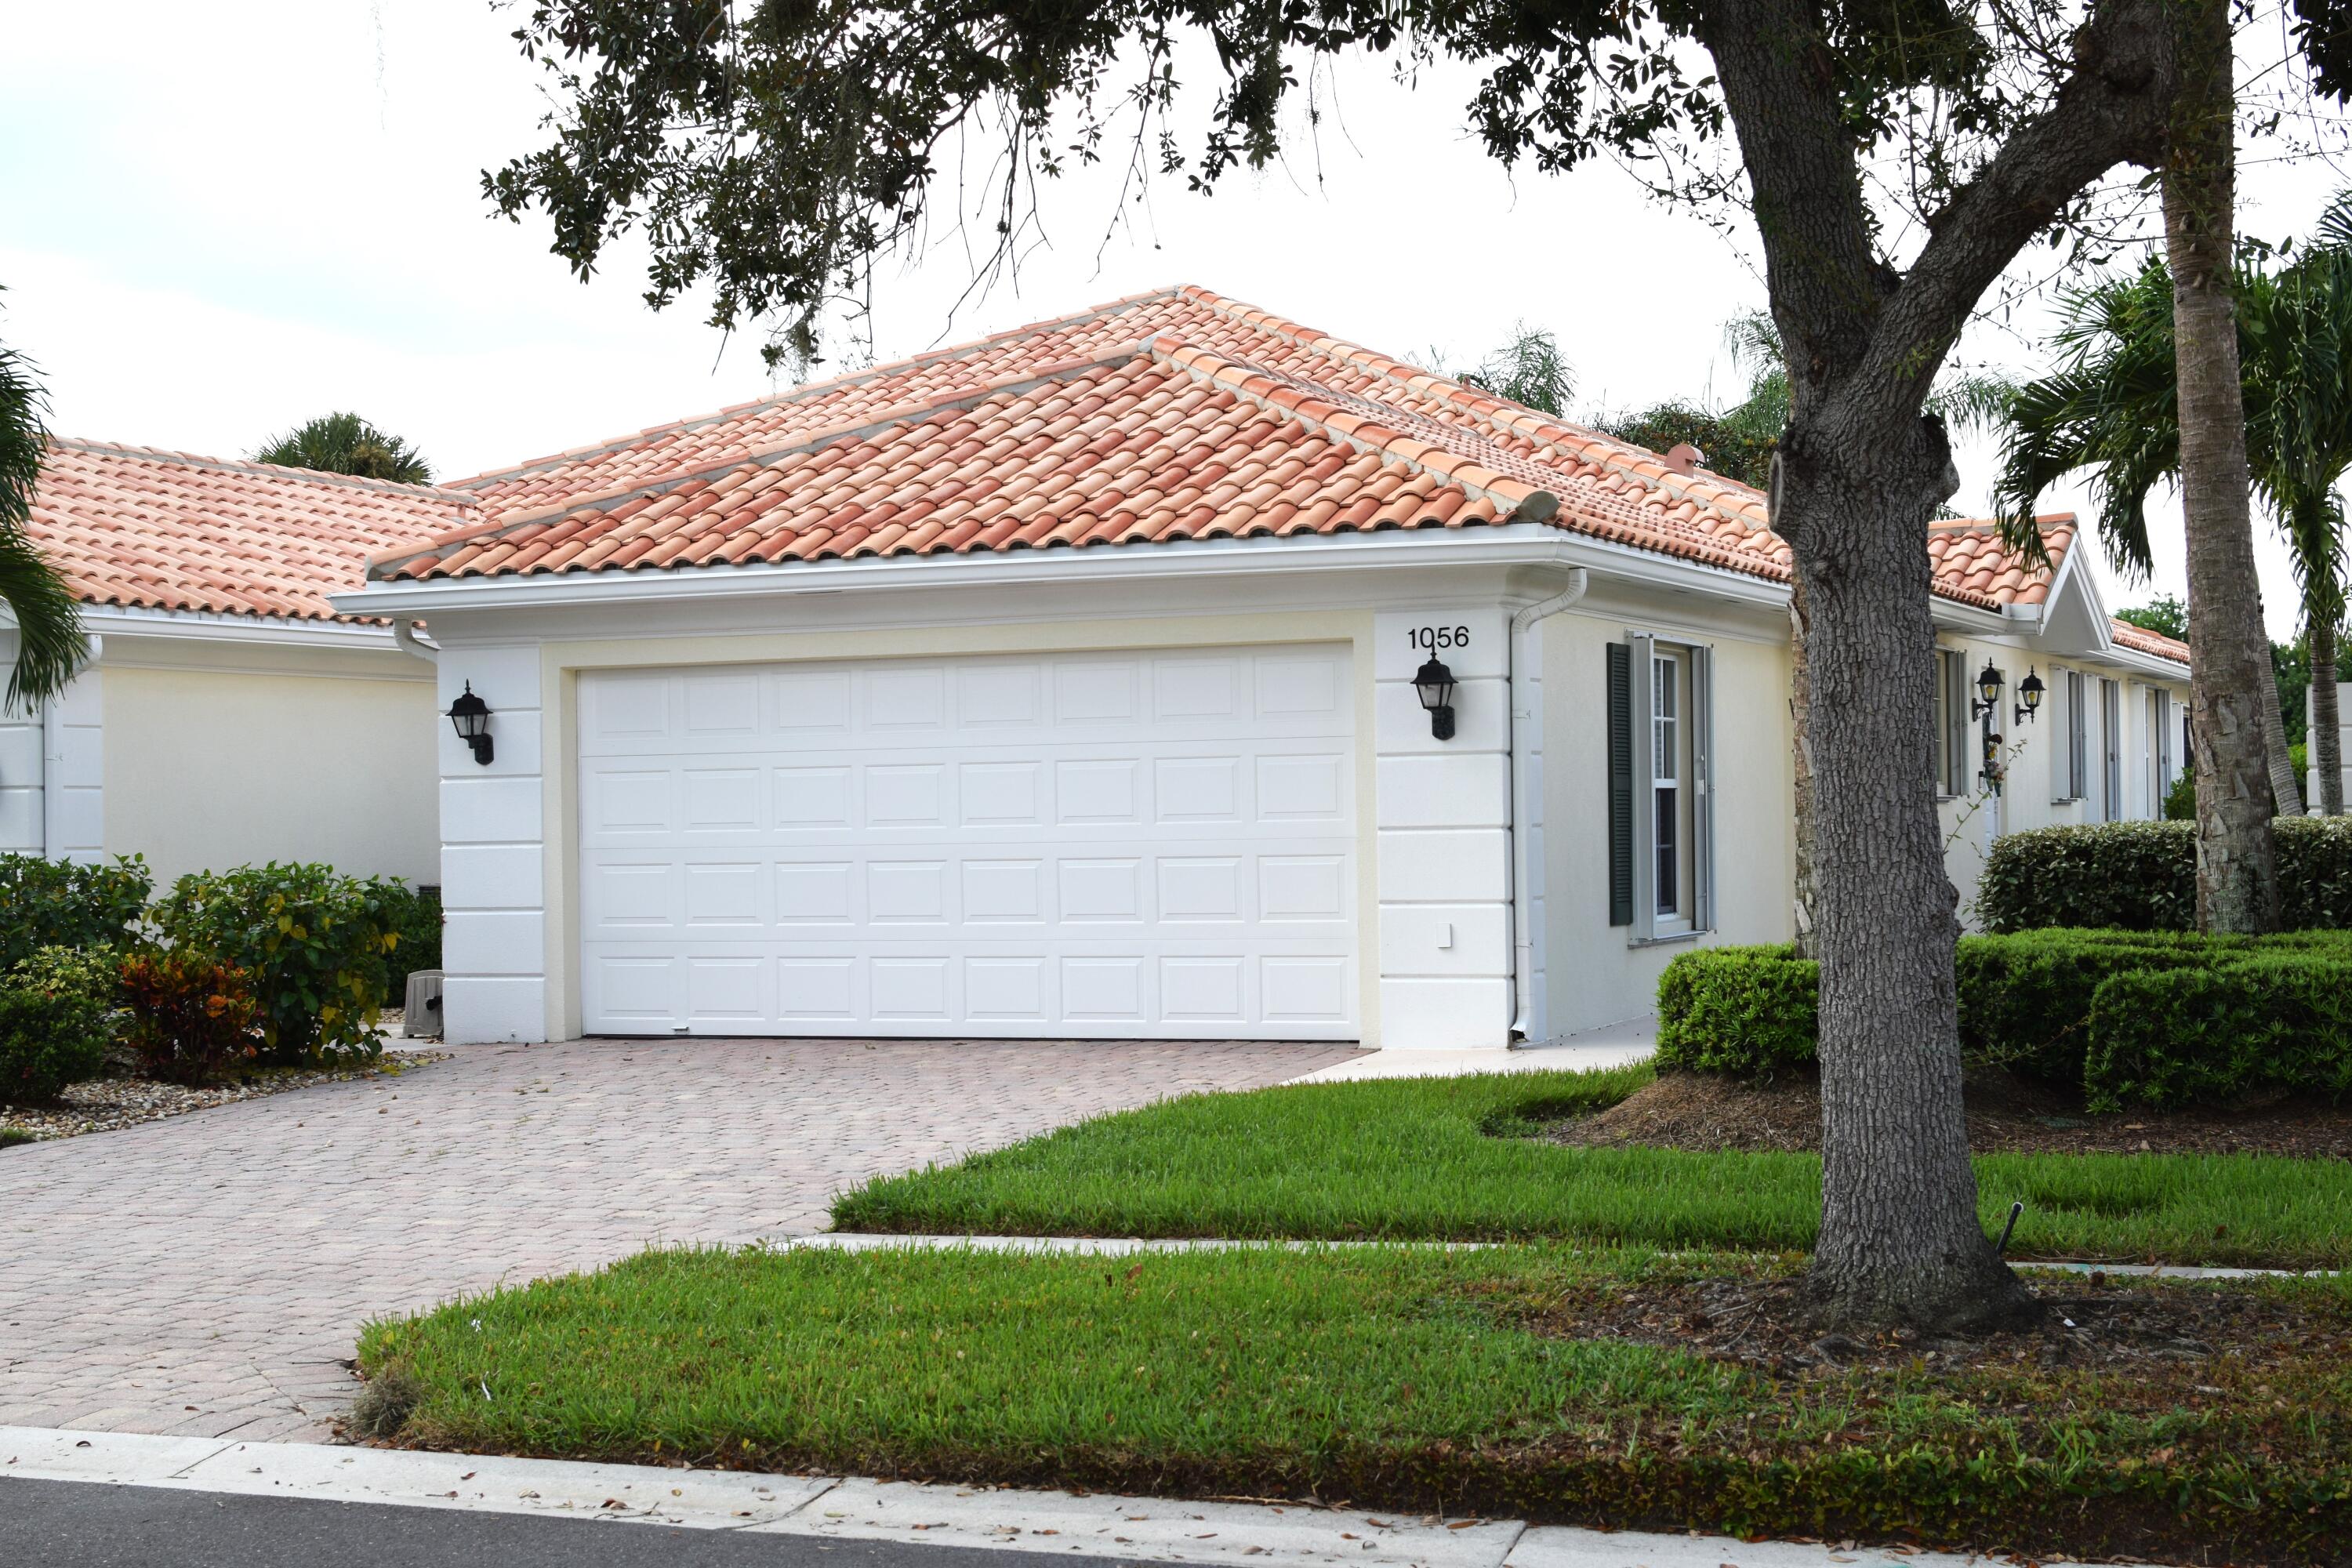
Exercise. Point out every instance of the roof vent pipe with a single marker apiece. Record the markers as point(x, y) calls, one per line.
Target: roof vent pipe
point(1522, 729)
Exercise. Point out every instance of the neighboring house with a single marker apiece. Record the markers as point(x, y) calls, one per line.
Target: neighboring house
point(2112, 731)
point(227, 714)
point(1064, 685)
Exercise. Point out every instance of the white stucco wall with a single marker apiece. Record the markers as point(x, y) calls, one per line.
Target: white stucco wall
point(206, 769)
point(1594, 974)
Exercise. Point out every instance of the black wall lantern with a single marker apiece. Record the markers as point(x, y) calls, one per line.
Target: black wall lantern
point(1988, 696)
point(1434, 683)
point(472, 716)
point(2029, 691)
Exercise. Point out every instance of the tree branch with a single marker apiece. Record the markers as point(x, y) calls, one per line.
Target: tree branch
point(2111, 110)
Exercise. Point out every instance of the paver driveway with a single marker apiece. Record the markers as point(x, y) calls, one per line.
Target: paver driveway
point(206, 1275)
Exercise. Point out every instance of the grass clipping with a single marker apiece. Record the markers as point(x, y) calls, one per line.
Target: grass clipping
point(1571, 1386)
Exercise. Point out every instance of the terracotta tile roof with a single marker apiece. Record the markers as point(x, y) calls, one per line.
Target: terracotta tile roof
point(1971, 563)
point(2139, 639)
point(1177, 414)
point(165, 531)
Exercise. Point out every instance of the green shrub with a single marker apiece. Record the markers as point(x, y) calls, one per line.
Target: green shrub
point(2153, 1018)
point(414, 918)
point(191, 1015)
point(1740, 1010)
point(56, 903)
point(56, 1022)
point(2129, 875)
point(2142, 876)
point(316, 944)
point(2268, 1019)
point(2025, 999)
point(2180, 800)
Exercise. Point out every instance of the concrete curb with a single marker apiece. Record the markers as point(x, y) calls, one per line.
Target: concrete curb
point(1275, 1535)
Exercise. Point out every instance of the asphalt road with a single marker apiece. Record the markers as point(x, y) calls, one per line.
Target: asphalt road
point(84, 1524)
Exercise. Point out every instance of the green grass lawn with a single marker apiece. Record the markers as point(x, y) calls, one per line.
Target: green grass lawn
point(1390, 1377)
point(1436, 1158)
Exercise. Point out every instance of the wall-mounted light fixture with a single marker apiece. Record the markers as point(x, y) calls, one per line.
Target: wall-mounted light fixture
point(1988, 697)
point(1434, 684)
point(2029, 691)
point(471, 717)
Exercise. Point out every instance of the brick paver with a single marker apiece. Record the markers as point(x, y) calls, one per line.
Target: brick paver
point(206, 1275)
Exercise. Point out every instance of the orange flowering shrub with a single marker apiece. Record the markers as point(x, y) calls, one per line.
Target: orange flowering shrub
point(190, 1016)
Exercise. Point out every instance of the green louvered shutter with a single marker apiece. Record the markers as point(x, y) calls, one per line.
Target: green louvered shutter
point(1621, 784)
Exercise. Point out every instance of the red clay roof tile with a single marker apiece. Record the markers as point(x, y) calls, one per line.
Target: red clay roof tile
point(165, 531)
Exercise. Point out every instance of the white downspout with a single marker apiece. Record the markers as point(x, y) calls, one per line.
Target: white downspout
point(403, 632)
point(1522, 800)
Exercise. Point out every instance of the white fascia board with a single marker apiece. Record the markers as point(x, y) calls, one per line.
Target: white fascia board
point(116, 620)
point(1979, 621)
point(2139, 663)
point(1509, 545)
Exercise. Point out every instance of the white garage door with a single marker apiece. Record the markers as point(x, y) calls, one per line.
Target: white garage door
point(1146, 845)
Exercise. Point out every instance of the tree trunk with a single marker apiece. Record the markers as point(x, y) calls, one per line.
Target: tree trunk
point(1801, 703)
point(2286, 790)
point(2326, 740)
point(1900, 1239)
point(2229, 677)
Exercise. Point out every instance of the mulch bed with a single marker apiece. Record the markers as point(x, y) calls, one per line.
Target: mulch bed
point(2006, 1115)
point(2170, 1342)
point(103, 1105)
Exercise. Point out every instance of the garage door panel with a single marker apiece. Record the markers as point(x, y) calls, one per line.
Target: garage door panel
point(1153, 845)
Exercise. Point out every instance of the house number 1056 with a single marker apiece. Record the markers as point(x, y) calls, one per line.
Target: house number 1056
point(1432, 638)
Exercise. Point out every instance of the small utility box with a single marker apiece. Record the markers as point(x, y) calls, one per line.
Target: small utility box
point(421, 1018)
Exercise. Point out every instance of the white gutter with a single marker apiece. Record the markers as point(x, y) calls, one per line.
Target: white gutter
point(207, 625)
point(1501, 545)
point(1522, 794)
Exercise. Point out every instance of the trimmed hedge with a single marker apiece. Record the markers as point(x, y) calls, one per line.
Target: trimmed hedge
point(2153, 1018)
point(1740, 1010)
point(2166, 1039)
point(2142, 876)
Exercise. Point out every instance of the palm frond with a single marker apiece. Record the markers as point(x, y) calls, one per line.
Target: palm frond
point(50, 641)
point(344, 443)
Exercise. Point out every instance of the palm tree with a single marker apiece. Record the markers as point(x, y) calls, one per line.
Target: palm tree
point(49, 642)
point(347, 444)
point(2112, 407)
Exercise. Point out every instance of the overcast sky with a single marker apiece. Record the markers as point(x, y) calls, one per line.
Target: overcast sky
point(225, 219)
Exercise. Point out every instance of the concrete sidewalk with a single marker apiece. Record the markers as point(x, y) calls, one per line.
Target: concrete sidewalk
point(1275, 1535)
point(1610, 1046)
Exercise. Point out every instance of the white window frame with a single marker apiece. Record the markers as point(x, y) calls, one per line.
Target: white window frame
point(1951, 718)
point(2070, 771)
point(1695, 662)
point(2167, 767)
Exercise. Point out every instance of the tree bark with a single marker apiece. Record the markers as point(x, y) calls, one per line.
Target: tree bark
point(2286, 790)
point(1900, 1239)
point(2229, 681)
point(1801, 746)
point(1862, 471)
point(2327, 737)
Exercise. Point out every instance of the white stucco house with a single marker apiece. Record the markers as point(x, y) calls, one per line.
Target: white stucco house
point(1065, 684)
point(228, 714)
